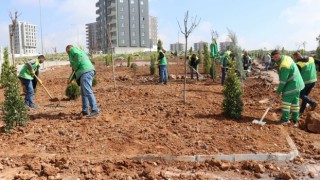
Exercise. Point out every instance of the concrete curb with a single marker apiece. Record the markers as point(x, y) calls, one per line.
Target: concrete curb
point(233, 157)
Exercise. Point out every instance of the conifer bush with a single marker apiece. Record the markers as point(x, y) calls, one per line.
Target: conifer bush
point(318, 53)
point(94, 82)
point(232, 102)
point(206, 59)
point(14, 109)
point(5, 68)
point(108, 59)
point(129, 58)
point(153, 68)
point(213, 70)
point(73, 91)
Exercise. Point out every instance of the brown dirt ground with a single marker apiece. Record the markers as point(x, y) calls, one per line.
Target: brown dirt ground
point(141, 117)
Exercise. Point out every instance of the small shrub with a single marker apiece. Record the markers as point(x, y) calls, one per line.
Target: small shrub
point(129, 60)
point(318, 53)
point(5, 69)
point(14, 109)
point(73, 91)
point(213, 70)
point(232, 102)
point(108, 59)
point(94, 82)
point(153, 68)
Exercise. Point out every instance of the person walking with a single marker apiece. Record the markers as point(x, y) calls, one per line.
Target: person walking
point(83, 71)
point(27, 78)
point(162, 59)
point(307, 68)
point(267, 61)
point(291, 83)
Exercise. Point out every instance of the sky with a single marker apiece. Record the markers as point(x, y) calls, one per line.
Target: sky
point(258, 24)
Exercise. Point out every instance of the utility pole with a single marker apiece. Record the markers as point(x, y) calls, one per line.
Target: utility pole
point(41, 27)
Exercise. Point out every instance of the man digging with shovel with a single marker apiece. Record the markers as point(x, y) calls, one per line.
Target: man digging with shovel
point(291, 83)
point(26, 76)
point(83, 71)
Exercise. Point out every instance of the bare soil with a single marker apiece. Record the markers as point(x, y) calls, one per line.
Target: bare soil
point(141, 116)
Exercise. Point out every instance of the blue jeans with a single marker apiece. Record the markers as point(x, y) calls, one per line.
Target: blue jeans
point(224, 73)
point(304, 95)
point(192, 71)
point(163, 74)
point(266, 67)
point(28, 99)
point(87, 93)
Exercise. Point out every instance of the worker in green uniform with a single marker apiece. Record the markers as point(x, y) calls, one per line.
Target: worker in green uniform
point(83, 71)
point(291, 83)
point(246, 61)
point(224, 65)
point(26, 77)
point(308, 72)
point(162, 61)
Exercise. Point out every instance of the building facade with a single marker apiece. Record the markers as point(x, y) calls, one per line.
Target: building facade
point(91, 31)
point(199, 46)
point(123, 25)
point(177, 47)
point(25, 38)
point(224, 45)
point(153, 32)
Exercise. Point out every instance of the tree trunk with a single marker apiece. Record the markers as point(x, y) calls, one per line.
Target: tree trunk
point(185, 71)
point(12, 48)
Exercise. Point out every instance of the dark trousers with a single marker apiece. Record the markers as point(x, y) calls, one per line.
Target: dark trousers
point(224, 74)
point(304, 95)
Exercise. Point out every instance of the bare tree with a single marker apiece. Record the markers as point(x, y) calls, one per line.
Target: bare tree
point(186, 32)
point(14, 19)
point(111, 51)
point(214, 34)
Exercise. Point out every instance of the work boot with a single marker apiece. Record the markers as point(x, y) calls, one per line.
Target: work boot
point(283, 122)
point(83, 113)
point(93, 114)
point(313, 106)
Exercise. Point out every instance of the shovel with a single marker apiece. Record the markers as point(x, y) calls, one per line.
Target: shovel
point(260, 122)
point(51, 98)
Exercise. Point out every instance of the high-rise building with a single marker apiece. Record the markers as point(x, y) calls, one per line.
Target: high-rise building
point(177, 47)
point(124, 24)
point(91, 30)
point(224, 45)
point(199, 46)
point(153, 32)
point(25, 38)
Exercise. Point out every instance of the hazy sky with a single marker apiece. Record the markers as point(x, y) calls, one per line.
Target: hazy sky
point(257, 23)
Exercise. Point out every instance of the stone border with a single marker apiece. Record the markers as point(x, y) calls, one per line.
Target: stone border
point(233, 157)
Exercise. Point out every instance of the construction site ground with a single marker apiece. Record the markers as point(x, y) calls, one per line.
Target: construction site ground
point(143, 117)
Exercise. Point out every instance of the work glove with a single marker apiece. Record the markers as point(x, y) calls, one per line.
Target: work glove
point(32, 73)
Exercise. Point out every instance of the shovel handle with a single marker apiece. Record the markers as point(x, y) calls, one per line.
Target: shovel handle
point(43, 86)
point(265, 113)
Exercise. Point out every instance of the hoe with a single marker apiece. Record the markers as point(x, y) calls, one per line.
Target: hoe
point(51, 98)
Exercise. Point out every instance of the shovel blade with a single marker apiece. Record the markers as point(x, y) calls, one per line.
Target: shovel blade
point(258, 122)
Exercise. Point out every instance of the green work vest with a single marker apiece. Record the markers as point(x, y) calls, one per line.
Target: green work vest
point(289, 76)
point(224, 60)
point(162, 61)
point(80, 61)
point(25, 72)
point(308, 71)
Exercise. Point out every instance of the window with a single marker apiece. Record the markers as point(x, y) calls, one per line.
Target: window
point(132, 1)
point(142, 25)
point(133, 33)
point(122, 24)
point(121, 8)
point(141, 2)
point(134, 41)
point(133, 25)
point(133, 9)
point(122, 33)
point(121, 1)
point(122, 41)
point(133, 18)
point(142, 34)
point(121, 17)
point(143, 42)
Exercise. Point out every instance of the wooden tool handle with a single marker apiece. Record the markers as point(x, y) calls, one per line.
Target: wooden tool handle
point(43, 86)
